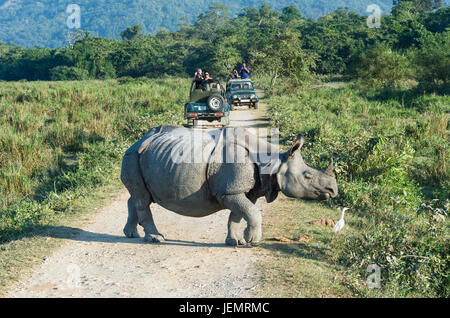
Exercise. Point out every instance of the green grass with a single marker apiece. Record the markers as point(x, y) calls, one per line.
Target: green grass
point(391, 151)
point(60, 140)
point(301, 269)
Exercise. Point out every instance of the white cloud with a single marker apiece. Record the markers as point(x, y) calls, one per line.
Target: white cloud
point(8, 4)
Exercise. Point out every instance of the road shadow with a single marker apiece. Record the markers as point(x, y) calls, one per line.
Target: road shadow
point(296, 249)
point(80, 235)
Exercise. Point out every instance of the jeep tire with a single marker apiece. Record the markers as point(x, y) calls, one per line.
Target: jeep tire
point(216, 103)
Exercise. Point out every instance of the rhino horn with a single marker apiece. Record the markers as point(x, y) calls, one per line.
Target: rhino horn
point(330, 169)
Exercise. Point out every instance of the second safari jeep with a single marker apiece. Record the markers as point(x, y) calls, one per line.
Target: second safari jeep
point(241, 92)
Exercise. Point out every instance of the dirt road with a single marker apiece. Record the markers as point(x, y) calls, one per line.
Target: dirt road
point(193, 262)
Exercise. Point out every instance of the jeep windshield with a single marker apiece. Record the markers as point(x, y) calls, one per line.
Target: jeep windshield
point(241, 85)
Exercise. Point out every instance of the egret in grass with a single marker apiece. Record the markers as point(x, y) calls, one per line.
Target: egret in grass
point(340, 224)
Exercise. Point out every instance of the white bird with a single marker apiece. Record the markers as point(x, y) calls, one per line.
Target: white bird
point(340, 224)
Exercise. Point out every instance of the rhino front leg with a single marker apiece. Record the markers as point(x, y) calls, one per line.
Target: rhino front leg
point(234, 238)
point(241, 205)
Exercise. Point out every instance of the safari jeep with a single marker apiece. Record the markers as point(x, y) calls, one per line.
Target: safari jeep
point(241, 92)
point(208, 103)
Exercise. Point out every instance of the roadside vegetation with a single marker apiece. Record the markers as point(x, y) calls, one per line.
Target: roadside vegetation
point(59, 141)
point(391, 153)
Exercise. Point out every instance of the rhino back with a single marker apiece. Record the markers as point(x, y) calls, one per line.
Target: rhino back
point(175, 174)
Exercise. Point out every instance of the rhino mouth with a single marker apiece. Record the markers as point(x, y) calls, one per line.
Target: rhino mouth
point(322, 195)
point(317, 196)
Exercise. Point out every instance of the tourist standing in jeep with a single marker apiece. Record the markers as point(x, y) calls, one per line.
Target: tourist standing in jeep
point(244, 71)
point(233, 75)
point(198, 79)
point(208, 80)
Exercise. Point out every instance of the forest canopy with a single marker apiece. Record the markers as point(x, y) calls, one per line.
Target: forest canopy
point(43, 23)
point(412, 42)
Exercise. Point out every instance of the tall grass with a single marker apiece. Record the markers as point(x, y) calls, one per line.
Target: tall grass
point(391, 150)
point(58, 140)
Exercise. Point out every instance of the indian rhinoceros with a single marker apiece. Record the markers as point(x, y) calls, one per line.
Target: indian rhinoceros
point(195, 172)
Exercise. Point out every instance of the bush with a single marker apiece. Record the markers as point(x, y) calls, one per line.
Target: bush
point(390, 154)
point(433, 61)
point(413, 253)
point(68, 73)
point(380, 66)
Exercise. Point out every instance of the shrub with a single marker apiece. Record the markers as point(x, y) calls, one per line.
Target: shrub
point(413, 253)
point(380, 66)
point(433, 61)
point(390, 154)
point(68, 73)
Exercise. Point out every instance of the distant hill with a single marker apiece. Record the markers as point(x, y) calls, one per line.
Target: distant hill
point(43, 23)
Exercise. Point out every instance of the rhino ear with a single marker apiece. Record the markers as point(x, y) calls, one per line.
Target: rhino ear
point(298, 144)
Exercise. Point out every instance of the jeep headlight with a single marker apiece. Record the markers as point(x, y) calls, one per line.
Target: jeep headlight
point(253, 96)
point(234, 97)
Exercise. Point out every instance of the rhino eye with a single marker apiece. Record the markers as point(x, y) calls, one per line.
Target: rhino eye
point(308, 175)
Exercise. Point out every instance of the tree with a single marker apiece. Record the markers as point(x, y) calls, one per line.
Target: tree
point(381, 66)
point(335, 38)
point(417, 6)
point(284, 56)
point(437, 21)
point(224, 56)
point(132, 33)
point(290, 13)
point(68, 73)
point(433, 60)
point(214, 18)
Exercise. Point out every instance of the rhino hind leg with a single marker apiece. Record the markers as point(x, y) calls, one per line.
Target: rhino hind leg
point(145, 219)
point(139, 203)
point(239, 204)
point(139, 213)
point(130, 229)
point(234, 238)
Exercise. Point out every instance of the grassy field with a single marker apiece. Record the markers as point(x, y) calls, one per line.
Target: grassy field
point(61, 145)
point(391, 151)
point(60, 140)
